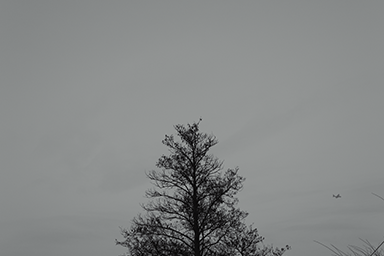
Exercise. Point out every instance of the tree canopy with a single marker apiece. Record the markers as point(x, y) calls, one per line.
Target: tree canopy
point(193, 208)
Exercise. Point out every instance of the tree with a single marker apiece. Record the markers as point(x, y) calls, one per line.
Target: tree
point(193, 205)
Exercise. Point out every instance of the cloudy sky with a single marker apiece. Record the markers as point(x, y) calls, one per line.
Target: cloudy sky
point(293, 90)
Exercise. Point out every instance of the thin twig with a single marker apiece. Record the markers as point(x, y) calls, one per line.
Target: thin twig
point(383, 241)
point(377, 247)
point(326, 247)
point(378, 196)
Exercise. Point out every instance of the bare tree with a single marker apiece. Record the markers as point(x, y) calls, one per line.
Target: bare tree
point(192, 210)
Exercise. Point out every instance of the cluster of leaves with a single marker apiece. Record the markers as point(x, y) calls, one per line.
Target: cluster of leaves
point(193, 210)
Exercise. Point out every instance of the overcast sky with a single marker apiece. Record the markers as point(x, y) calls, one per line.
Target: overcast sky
point(293, 90)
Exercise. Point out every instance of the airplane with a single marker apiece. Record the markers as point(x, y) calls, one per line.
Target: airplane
point(337, 196)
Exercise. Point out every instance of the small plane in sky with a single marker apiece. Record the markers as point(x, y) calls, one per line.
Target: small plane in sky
point(337, 196)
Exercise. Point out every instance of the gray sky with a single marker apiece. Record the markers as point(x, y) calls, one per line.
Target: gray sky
point(293, 90)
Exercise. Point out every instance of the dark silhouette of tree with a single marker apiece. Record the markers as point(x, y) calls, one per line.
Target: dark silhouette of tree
point(193, 205)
